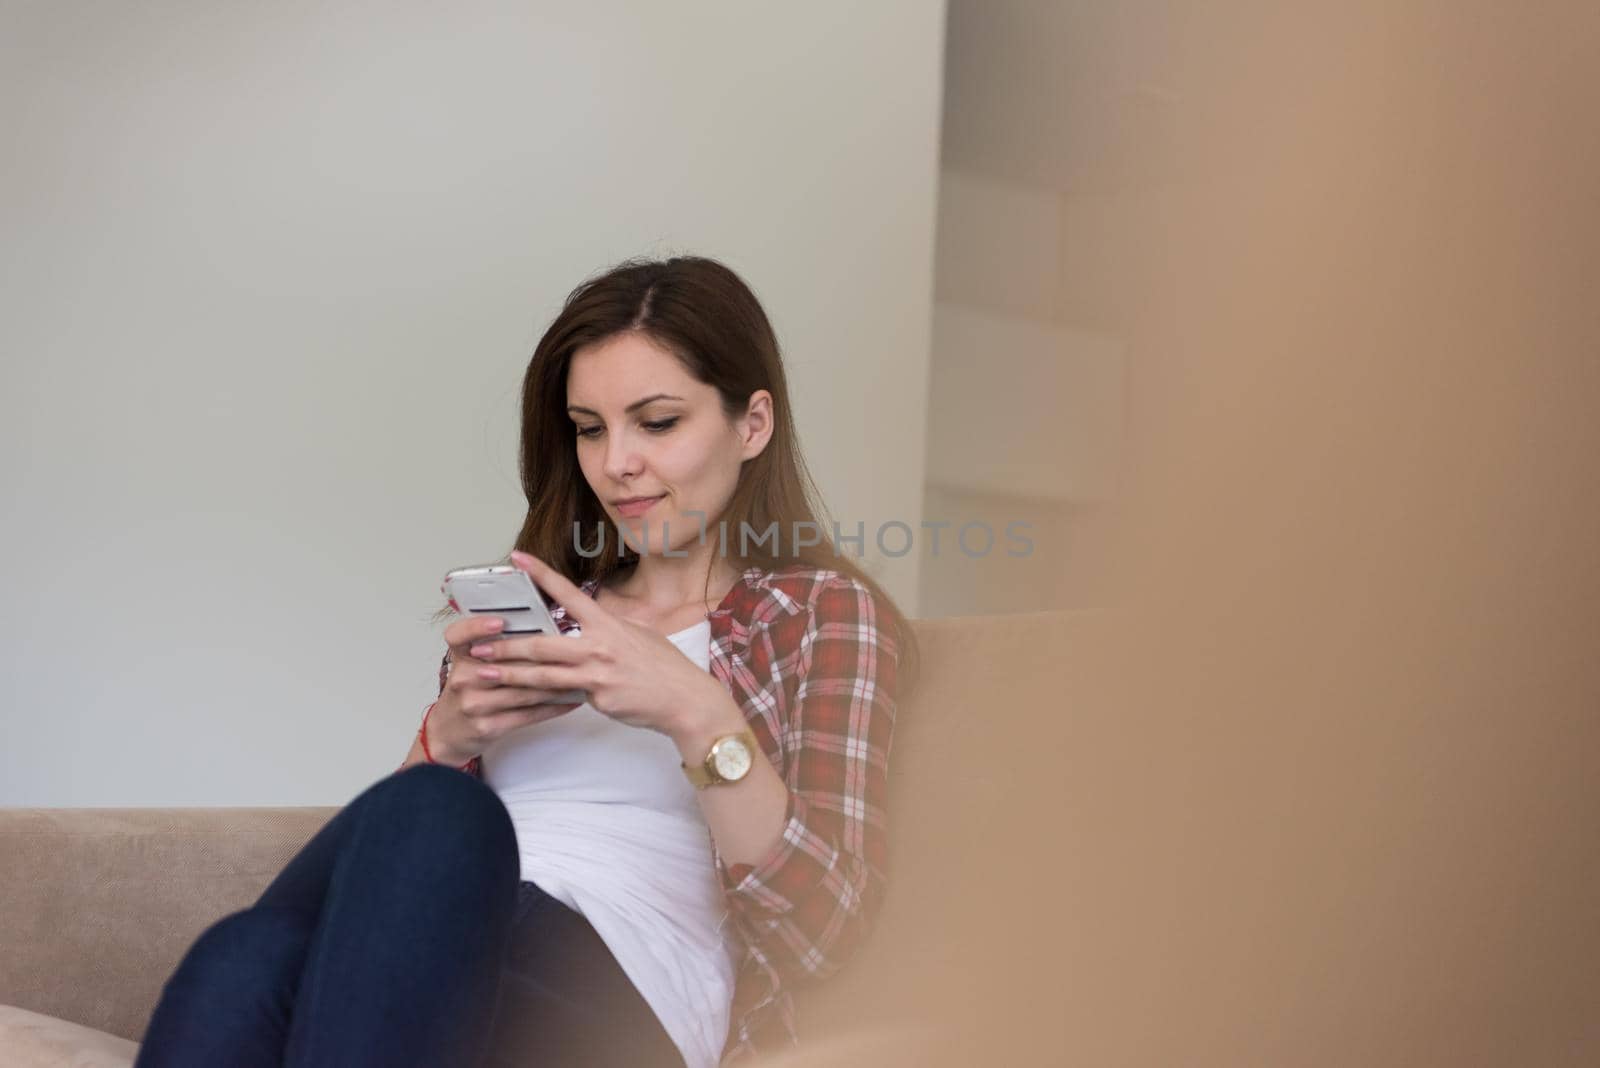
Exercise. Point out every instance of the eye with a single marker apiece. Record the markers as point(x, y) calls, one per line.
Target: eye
point(661, 425)
point(588, 431)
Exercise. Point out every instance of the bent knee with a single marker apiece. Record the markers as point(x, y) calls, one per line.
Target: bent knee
point(256, 947)
point(437, 787)
point(452, 802)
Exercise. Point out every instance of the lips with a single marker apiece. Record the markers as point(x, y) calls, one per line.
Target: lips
point(637, 506)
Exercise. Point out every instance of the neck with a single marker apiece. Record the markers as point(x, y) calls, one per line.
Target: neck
point(666, 582)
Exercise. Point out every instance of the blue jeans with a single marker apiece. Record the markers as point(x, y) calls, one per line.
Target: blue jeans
point(401, 935)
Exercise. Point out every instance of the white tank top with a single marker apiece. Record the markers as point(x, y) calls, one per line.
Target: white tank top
point(607, 823)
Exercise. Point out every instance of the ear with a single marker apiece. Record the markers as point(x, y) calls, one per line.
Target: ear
point(755, 426)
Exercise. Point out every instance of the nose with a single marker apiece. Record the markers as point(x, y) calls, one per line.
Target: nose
point(622, 459)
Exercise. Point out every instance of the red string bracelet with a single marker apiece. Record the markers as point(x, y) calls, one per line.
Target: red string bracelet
point(422, 734)
point(470, 767)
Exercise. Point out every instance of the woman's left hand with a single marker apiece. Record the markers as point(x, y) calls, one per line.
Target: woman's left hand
point(632, 673)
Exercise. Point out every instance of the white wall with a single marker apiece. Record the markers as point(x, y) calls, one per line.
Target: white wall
point(269, 276)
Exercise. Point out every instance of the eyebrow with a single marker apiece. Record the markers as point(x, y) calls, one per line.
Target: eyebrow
point(635, 406)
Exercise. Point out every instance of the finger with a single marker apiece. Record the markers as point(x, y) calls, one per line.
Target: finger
point(579, 605)
point(523, 717)
point(547, 707)
point(553, 677)
point(508, 694)
point(464, 632)
point(492, 701)
point(537, 648)
point(539, 713)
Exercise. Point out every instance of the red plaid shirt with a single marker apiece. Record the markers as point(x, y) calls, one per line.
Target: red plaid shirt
point(807, 656)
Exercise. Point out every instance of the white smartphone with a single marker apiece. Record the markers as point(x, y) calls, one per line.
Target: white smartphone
point(505, 591)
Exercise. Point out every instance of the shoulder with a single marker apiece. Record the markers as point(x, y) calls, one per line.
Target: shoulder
point(802, 602)
point(798, 589)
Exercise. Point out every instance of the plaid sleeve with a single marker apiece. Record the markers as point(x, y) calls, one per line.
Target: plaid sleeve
point(809, 904)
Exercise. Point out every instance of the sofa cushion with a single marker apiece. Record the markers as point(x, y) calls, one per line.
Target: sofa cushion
point(101, 904)
point(34, 1040)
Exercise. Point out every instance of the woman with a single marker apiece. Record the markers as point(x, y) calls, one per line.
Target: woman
point(641, 879)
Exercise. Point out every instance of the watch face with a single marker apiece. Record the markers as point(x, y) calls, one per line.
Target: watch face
point(733, 758)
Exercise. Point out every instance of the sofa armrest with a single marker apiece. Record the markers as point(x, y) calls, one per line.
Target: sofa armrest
point(97, 905)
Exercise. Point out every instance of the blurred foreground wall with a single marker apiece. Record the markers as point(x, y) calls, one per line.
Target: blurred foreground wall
point(1317, 785)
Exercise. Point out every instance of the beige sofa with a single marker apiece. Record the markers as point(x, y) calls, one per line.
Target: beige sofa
point(99, 904)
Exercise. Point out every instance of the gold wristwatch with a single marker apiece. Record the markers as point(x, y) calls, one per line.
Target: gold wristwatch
point(731, 758)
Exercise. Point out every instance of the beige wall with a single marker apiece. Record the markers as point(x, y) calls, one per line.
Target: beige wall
point(1318, 783)
point(1057, 165)
point(271, 274)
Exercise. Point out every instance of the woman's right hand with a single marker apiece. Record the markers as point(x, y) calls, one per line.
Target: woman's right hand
point(473, 711)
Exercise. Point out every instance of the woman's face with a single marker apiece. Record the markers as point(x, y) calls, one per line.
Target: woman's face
point(646, 428)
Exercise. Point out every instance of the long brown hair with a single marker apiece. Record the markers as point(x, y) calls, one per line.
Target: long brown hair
point(705, 315)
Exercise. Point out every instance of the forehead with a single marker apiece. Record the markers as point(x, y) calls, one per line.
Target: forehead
point(623, 368)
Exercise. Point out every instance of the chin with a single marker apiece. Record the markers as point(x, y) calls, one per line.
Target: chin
point(650, 534)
